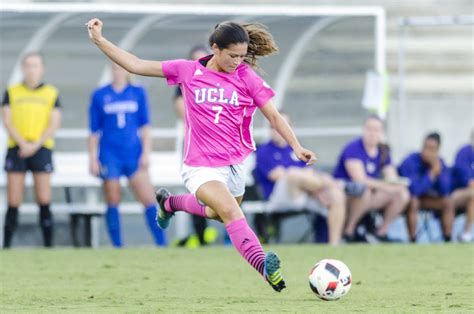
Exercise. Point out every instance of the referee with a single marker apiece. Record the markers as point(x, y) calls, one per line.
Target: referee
point(31, 115)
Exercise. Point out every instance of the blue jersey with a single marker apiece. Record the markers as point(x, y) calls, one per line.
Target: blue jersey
point(118, 116)
point(355, 149)
point(421, 184)
point(463, 169)
point(270, 156)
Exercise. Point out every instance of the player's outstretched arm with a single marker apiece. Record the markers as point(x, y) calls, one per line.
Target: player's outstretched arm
point(283, 128)
point(126, 60)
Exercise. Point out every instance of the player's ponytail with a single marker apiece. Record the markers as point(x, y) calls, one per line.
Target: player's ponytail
point(260, 41)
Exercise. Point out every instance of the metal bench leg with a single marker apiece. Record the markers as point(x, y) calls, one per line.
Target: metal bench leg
point(87, 229)
point(73, 225)
point(95, 230)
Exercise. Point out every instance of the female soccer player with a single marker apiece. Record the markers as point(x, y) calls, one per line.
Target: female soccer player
point(221, 93)
point(120, 145)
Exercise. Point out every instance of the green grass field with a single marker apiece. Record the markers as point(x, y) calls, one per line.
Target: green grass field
point(392, 278)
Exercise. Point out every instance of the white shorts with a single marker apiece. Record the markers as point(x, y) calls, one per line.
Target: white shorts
point(282, 200)
point(232, 176)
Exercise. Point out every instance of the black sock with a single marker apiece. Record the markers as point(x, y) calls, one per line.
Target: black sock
point(46, 223)
point(447, 238)
point(200, 225)
point(11, 222)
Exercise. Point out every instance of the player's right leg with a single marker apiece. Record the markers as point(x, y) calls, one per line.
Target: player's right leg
point(15, 192)
point(194, 177)
point(16, 169)
point(112, 216)
point(169, 204)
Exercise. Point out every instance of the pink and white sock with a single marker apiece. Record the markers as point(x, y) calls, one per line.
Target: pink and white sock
point(186, 203)
point(247, 243)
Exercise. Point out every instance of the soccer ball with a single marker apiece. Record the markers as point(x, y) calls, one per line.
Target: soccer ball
point(330, 279)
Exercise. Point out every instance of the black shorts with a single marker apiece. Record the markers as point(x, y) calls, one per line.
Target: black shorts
point(41, 161)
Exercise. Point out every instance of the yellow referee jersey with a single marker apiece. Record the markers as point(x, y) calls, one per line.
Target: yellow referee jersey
point(31, 110)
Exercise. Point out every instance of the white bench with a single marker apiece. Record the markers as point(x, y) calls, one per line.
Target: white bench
point(72, 171)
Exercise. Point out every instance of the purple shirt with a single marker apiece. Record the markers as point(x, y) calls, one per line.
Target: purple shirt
point(355, 149)
point(219, 108)
point(414, 168)
point(463, 169)
point(270, 156)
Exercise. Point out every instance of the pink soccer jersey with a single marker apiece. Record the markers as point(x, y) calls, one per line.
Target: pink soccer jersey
point(219, 111)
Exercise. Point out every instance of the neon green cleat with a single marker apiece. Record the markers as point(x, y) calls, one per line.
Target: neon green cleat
point(272, 272)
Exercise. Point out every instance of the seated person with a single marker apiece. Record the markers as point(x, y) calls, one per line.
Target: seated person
point(366, 161)
point(288, 185)
point(429, 185)
point(463, 186)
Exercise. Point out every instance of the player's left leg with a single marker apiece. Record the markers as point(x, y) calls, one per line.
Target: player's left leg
point(41, 166)
point(143, 190)
point(43, 199)
point(15, 192)
point(218, 197)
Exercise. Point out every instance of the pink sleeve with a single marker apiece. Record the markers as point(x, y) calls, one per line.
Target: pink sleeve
point(177, 71)
point(259, 89)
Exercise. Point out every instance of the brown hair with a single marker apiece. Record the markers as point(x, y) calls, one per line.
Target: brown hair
point(260, 41)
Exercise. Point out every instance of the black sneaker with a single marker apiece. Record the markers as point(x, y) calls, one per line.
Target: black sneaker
point(374, 238)
point(349, 238)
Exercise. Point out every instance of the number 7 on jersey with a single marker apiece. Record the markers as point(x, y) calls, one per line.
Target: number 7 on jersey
point(218, 110)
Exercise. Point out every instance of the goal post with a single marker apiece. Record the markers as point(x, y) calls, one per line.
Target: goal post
point(286, 74)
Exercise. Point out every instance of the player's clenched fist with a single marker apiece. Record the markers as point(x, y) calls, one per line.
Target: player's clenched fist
point(305, 155)
point(94, 28)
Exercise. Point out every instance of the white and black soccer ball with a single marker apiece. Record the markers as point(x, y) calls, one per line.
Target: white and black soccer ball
point(330, 279)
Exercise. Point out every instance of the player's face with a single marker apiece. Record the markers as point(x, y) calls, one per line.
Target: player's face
point(229, 58)
point(33, 69)
point(373, 132)
point(430, 150)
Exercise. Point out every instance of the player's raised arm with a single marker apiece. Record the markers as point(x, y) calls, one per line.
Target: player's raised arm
point(128, 61)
